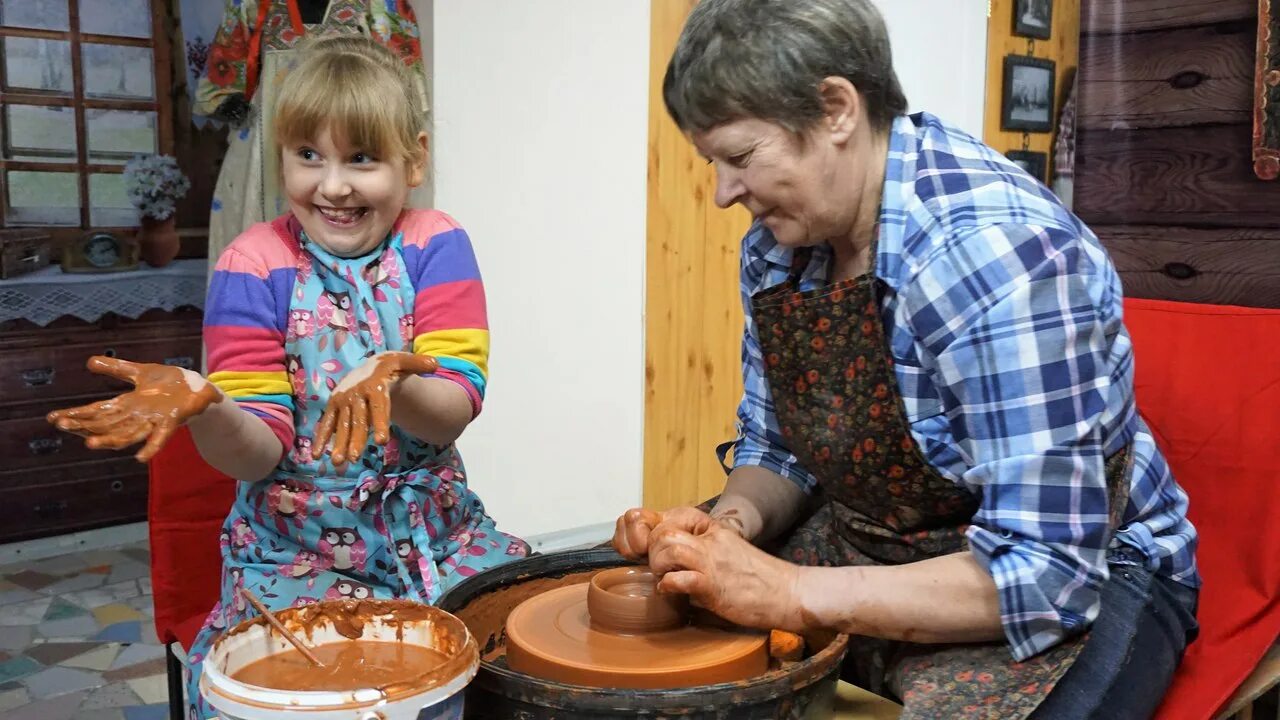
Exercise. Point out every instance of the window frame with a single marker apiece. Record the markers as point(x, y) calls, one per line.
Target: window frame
point(161, 104)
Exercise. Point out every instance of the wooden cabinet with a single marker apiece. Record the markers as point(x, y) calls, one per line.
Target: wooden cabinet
point(49, 481)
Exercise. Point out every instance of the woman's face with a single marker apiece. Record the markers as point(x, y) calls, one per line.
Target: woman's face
point(795, 186)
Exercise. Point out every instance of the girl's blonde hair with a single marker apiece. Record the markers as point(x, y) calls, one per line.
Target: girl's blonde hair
point(360, 90)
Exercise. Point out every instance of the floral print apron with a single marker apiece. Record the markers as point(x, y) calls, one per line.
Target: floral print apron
point(399, 521)
point(879, 501)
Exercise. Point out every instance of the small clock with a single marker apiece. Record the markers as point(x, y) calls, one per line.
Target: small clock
point(100, 252)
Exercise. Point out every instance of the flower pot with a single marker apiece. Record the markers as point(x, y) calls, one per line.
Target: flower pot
point(159, 240)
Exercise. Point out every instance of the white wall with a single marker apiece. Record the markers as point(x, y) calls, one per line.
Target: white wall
point(540, 138)
point(940, 51)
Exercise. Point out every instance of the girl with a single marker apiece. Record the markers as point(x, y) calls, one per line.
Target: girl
point(348, 315)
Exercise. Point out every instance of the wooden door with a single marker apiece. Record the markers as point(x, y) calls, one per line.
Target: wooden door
point(693, 312)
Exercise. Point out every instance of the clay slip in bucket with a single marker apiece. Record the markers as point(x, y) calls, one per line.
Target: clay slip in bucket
point(437, 694)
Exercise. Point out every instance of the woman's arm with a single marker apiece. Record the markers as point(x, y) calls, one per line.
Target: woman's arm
point(761, 503)
point(948, 599)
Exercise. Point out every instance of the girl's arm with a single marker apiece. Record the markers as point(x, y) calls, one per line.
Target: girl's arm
point(431, 408)
point(234, 441)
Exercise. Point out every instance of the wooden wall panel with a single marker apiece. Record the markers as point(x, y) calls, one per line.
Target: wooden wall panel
point(1171, 78)
point(1062, 47)
point(1129, 16)
point(1199, 175)
point(1163, 172)
point(693, 321)
point(1229, 267)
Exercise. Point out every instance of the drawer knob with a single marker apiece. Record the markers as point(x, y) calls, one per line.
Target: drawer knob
point(45, 445)
point(117, 485)
point(37, 376)
point(186, 362)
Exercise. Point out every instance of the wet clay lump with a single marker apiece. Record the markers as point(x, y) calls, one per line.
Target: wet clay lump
point(631, 637)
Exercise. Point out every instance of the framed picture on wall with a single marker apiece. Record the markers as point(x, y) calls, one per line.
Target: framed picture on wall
point(1035, 163)
point(1027, 102)
point(1033, 18)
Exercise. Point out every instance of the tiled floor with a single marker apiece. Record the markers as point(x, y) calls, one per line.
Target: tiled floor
point(77, 639)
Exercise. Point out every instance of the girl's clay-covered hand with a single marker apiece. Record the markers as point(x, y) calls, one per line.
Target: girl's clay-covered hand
point(363, 399)
point(163, 398)
point(723, 573)
point(635, 527)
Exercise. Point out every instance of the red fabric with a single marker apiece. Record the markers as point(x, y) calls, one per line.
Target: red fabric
point(188, 503)
point(1208, 384)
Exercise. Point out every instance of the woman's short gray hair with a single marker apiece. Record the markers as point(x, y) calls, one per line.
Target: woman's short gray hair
point(765, 59)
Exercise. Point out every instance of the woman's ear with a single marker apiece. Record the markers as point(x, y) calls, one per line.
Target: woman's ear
point(418, 169)
point(842, 107)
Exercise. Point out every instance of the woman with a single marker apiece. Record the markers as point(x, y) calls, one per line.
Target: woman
point(938, 438)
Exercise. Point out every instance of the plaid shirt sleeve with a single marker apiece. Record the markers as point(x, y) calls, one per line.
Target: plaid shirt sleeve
point(760, 442)
point(1017, 347)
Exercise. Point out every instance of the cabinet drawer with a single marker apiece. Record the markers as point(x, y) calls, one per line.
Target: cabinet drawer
point(31, 442)
point(42, 374)
point(70, 503)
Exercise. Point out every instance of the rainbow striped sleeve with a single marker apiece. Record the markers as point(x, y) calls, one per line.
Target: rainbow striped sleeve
point(244, 328)
point(449, 317)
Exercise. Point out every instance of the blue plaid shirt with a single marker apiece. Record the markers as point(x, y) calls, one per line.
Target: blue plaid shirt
point(1003, 312)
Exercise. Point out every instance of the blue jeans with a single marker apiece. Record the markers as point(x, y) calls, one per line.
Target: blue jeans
point(1135, 645)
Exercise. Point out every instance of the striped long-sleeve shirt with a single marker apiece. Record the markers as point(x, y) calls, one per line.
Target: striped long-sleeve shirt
point(249, 309)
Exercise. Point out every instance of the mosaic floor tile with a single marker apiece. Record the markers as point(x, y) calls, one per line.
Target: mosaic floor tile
point(31, 580)
point(125, 632)
point(99, 570)
point(18, 667)
point(99, 659)
point(149, 633)
point(128, 571)
point(10, 699)
point(60, 609)
point(14, 594)
point(27, 613)
point(140, 670)
point(154, 689)
point(60, 681)
point(144, 584)
point(76, 628)
point(147, 712)
point(115, 695)
point(94, 558)
point(135, 654)
point(144, 604)
point(103, 714)
point(54, 653)
point(138, 552)
point(105, 595)
point(62, 707)
point(17, 637)
point(61, 565)
point(75, 583)
point(115, 613)
point(5, 656)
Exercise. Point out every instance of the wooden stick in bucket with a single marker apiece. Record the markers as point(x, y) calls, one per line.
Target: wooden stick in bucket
point(275, 623)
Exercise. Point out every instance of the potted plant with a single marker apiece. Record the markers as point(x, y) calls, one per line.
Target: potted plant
point(154, 185)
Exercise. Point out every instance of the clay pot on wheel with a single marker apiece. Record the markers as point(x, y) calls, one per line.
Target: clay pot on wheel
point(159, 240)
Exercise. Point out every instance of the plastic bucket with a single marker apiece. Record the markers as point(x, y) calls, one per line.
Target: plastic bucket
point(435, 695)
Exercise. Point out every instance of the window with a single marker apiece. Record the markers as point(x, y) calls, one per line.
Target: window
point(83, 87)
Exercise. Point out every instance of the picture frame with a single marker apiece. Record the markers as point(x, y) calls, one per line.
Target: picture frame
point(1033, 18)
point(1028, 94)
point(1035, 163)
point(1266, 95)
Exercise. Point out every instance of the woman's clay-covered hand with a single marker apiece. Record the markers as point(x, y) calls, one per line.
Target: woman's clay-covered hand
point(635, 527)
point(723, 573)
point(362, 400)
point(163, 398)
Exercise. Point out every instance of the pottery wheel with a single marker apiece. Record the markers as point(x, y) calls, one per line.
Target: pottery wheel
point(550, 636)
